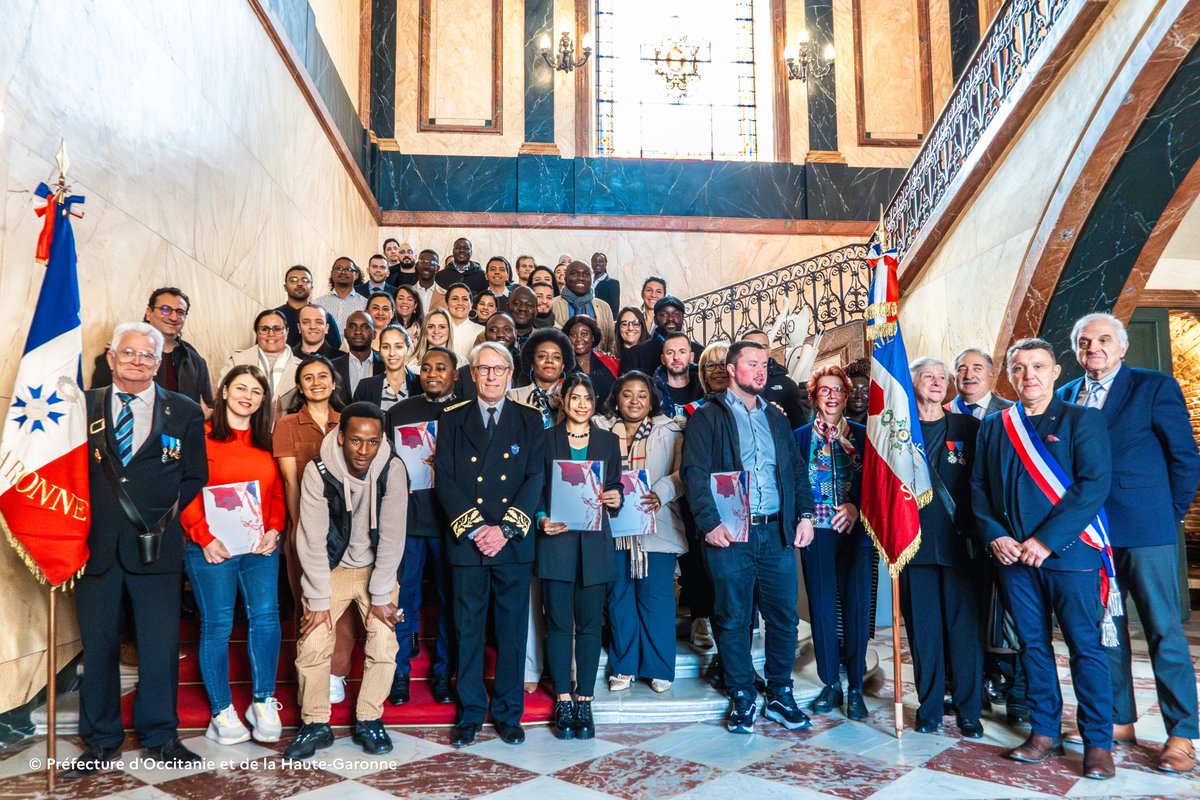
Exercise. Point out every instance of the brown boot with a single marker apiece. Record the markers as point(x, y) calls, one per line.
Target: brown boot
point(1177, 755)
point(1098, 764)
point(1122, 734)
point(1036, 748)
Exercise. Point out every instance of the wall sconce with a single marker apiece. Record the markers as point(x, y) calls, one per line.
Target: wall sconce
point(802, 63)
point(565, 60)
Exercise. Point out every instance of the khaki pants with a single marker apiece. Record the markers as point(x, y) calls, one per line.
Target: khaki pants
point(349, 586)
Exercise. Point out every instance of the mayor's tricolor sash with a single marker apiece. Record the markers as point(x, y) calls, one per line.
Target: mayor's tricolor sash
point(961, 407)
point(1054, 482)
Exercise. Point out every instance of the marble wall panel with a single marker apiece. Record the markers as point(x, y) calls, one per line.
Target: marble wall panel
point(892, 69)
point(940, 53)
point(460, 78)
point(337, 22)
point(539, 77)
point(384, 30)
point(839, 191)
point(964, 33)
point(1175, 273)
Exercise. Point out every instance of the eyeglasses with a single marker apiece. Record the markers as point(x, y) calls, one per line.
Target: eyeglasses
point(826, 391)
point(171, 311)
point(129, 356)
point(293, 279)
point(630, 323)
point(485, 371)
point(715, 366)
point(344, 269)
point(268, 329)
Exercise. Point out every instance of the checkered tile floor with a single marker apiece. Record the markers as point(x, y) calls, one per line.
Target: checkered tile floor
point(834, 759)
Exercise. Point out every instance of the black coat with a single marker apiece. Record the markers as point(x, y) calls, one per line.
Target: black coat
point(153, 480)
point(609, 290)
point(647, 356)
point(474, 277)
point(480, 483)
point(425, 514)
point(191, 373)
point(341, 367)
point(781, 389)
point(370, 389)
point(366, 291)
point(944, 540)
point(558, 555)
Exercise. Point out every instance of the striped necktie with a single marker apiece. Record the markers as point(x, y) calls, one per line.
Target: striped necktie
point(1095, 394)
point(125, 428)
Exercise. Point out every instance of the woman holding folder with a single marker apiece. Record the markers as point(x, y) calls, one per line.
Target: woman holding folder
point(228, 555)
point(641, 605)
point(576, 566)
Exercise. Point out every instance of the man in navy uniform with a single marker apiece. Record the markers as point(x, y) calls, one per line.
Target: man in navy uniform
point(146, 462)
point(1155, 472)
point(490, 472)
point(1045, 566)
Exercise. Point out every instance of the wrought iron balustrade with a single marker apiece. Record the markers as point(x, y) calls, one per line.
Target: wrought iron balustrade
point(835, 285)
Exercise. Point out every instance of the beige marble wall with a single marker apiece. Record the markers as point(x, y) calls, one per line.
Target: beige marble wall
point(338, 24)
point(945, 309)
point(460, 68)
point(692, 263)
point(202, 166)
point(892, 69)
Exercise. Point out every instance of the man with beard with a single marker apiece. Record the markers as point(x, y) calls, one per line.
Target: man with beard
point(425, 544)
point(577, 298)
point(781, 389)
point(298, 283)
point(361, 362)
point(377, 278)
point(678, 378)
point(462, 269)
point(401, 262)
point(605, 286)
point(314, 328)
point(343, 299)
point(544, 292)
point(647, 356)
point(500, 329)
point(738, 431)
point(432, 296)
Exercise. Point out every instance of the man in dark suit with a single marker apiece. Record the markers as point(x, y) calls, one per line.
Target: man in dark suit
point(490, 472)
point(462, 269)
point(974, 377)
point(1154, 482)
point(1045, 565)
point(377, 278)
point(605, 286)
point(361, 362)
point(146, 444)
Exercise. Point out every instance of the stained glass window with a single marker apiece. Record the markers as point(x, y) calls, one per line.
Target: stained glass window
point(677, 79)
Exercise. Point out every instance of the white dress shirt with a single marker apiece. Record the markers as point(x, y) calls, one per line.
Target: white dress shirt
point(142, 406)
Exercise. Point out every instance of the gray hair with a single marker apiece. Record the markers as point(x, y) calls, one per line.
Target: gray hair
point(926, 362)
point(1088, 319)
point(977, 351)
point(1029, 344)
point(141, 329)
point(495, 347)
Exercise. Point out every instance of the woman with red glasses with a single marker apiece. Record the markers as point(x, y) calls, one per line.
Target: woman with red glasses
point(839, 561)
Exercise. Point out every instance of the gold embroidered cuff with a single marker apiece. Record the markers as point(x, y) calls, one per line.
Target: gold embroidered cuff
point(466, 521)
point(518, 518)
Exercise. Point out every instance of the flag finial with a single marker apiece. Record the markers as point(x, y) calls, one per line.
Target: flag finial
point(64, 163)
point(882, 231)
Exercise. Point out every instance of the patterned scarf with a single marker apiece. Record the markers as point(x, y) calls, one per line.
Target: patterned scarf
point(633, 452)
point(579, 303)
point(540, 400)
point(839, 432)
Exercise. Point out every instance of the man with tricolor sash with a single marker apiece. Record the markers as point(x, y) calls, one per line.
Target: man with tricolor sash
point(1042, 472)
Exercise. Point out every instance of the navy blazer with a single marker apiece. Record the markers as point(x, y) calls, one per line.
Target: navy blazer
point(487, 484)
point(366, 291)
point(1007, 502)
point(858, 438)
point(558, 555)
point(370, 389)
point(609, 290)
point(152, 480)
point(710, 444)
point(1155, 463)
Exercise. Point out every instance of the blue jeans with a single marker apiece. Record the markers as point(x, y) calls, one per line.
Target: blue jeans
point(417, 551)
point(762, 568)
point(216, 588)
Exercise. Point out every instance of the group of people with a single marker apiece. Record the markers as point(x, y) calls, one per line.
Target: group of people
point(513, 371)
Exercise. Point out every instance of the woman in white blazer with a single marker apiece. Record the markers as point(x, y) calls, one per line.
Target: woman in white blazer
point(271, 354)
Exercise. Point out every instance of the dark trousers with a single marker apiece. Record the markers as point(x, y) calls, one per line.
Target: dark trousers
point(838, 567)
point(505, 589)
point(764, 561)
point(695, 584)
point(1074, 599)
point(154, 600)
point(419, 551)
point(574, 617)
point(641, 619)
point(941, 616)
point(1149, 575)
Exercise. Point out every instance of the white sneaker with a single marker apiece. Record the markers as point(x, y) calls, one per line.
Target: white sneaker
point(337, 689)
point(264, 717)
point(701, 636)
point(226, 728)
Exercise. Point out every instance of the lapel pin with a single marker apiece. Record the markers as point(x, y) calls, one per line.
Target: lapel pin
point(516, 449)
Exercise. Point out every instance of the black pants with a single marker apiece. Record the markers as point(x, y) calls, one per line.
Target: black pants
point(505, 589)
point(695, 583)
point(574, 615)
point(838, 567)
point(941, 616)
point(154, 600)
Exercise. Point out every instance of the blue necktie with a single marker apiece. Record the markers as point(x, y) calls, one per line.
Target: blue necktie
point(1095, 394)
point(125, 428)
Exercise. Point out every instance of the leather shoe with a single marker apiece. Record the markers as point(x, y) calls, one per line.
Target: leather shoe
point(91, 761)
point(311, 737)
point(464, 734)
point(372, 737)
point(970, 728)
point(510, 734)
point(829, 699)
point(925, 726)
point(439, 685)
point(856, 709)
point(1037, 748)
point(400, 693)
point(1098, 764)
point(1122, 734)
point(1017, 715)
point(994, 692)
point(1178, 755)
point(172, 754)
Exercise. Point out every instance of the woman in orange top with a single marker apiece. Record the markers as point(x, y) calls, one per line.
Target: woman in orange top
point(243, 487)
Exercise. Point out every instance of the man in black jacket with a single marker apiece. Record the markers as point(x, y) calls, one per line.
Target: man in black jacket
point(181, 369)
point(647, 356)
point(738, 431)
point(605, 286)
point(462, 269)
point(146, 462)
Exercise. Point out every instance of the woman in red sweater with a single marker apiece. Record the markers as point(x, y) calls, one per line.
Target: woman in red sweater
point(233, 527)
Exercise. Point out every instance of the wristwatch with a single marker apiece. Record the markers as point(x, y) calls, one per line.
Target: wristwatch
point(509, 531)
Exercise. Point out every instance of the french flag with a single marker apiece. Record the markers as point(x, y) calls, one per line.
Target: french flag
point(896, 481)
point(44, 502)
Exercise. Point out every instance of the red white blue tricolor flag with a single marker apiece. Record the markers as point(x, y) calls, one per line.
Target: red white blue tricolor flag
point(895, 473)
point(44, 508)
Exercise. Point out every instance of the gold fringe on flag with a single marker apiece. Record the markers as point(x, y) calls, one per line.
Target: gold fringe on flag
point(896, 567)
point(884, 309)
point(32, 565)
point(881, 330)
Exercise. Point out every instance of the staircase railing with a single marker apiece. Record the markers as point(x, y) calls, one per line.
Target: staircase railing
point(834, 285)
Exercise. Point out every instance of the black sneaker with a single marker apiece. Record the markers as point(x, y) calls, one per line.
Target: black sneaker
point(564, 719)
point(439, 686)
point(781, 707)
point(370, 734)
point(829, 699)
point(400, 693)
point(311, 737)
point(585, 727)
point(743, 710)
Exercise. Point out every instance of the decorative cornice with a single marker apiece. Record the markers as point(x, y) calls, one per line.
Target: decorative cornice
point(452, 219)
